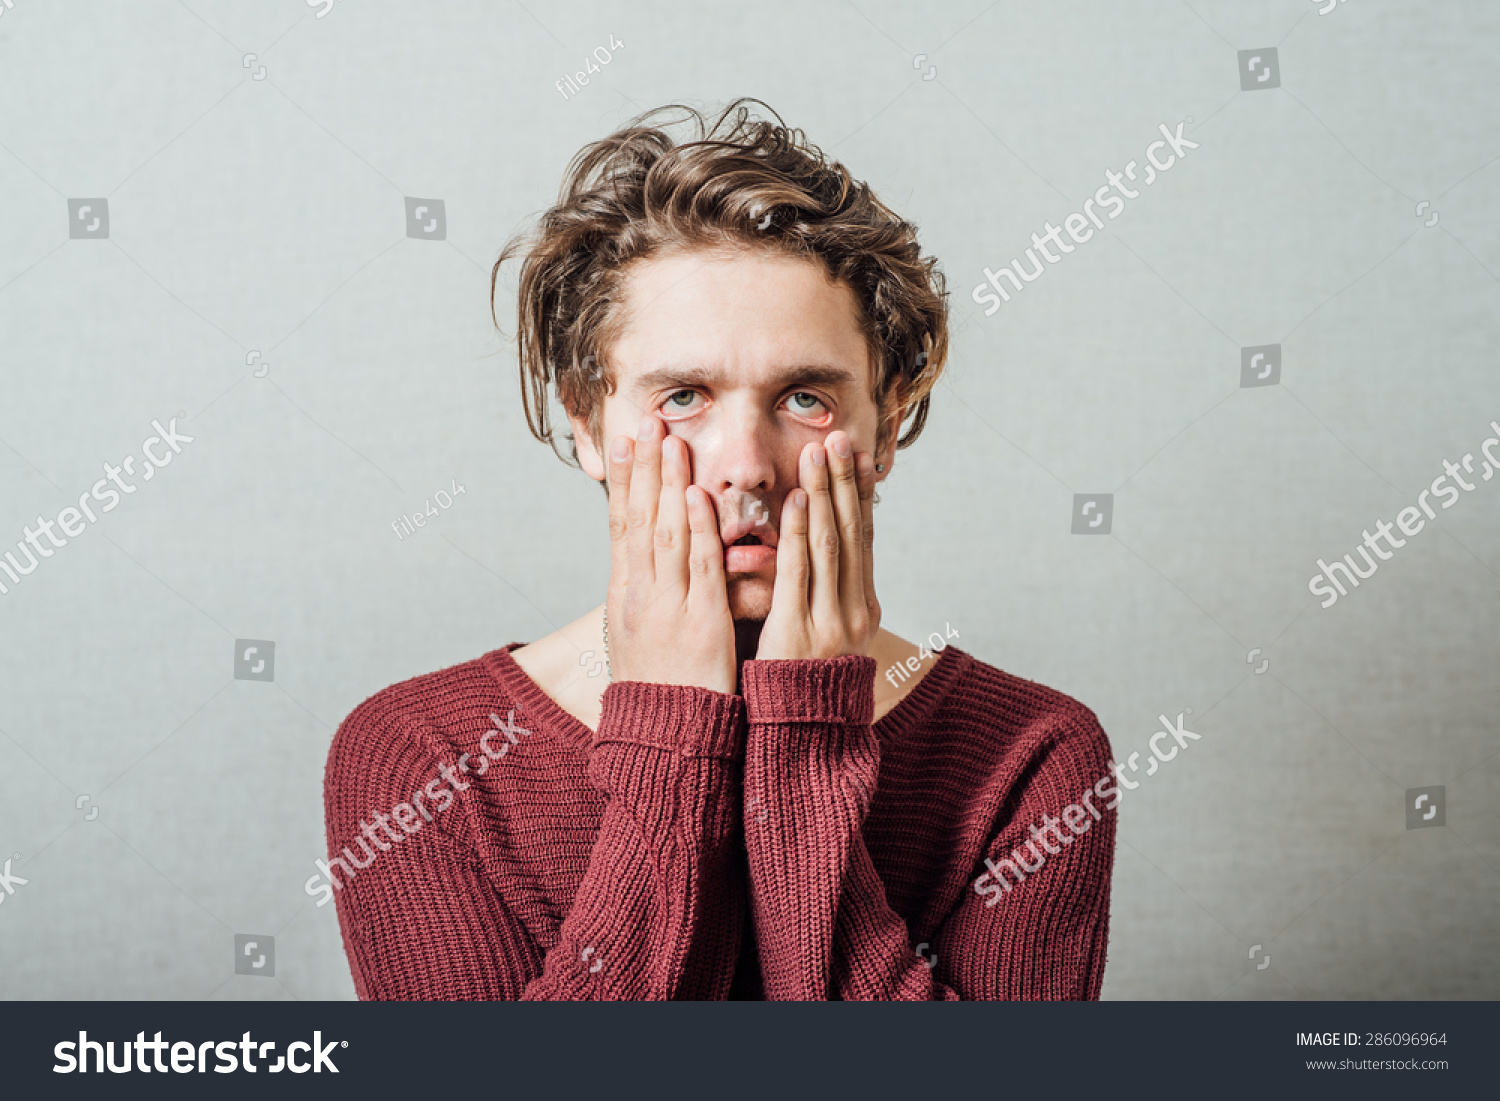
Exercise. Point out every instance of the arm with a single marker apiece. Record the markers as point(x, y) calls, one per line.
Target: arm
point(1041, 935)
point(663, 899)
point(660, 904)
point(811, 763)
point(822, 921)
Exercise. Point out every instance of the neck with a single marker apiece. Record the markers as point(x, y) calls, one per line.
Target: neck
point(746, 639)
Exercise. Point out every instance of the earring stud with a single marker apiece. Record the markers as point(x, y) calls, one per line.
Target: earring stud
point(880, 468)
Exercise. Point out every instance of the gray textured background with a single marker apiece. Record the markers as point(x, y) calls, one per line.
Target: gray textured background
point(267, 215)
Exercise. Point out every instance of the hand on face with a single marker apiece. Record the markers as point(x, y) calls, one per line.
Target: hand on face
point(668, 603)
point(669, 614)
point(823, 604)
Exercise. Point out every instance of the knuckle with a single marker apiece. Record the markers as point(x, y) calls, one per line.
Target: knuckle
point(663, 538)
point(637, 518)
point(828, 544)
point(617, 527)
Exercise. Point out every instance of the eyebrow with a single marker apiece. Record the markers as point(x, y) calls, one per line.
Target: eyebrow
point(805, 374)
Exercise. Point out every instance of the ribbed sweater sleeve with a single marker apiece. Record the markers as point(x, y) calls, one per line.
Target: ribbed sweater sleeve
point(1045, 937)
point(660, 908)
point(822, 921)
point(662, 902)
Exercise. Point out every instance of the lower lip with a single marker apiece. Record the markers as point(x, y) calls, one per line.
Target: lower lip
point(748, 559)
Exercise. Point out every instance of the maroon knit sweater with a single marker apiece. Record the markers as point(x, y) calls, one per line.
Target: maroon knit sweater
point(703, 845)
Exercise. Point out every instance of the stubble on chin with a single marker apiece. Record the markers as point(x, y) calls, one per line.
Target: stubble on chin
point(749, 597)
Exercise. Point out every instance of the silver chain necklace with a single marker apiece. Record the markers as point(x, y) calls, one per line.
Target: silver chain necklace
point(607, 670)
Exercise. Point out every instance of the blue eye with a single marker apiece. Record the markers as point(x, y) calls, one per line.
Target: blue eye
point(689, 394)
point(804, 402)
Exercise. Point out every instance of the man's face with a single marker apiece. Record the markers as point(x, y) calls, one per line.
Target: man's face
point(747, 359)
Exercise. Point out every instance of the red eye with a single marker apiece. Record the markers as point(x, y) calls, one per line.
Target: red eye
point(807, 404)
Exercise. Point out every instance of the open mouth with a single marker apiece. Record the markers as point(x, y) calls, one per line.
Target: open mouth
point(747, 541)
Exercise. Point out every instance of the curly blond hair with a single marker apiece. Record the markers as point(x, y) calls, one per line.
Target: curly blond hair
point(741, 184)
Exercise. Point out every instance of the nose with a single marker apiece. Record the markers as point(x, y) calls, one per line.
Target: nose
point(738, 456)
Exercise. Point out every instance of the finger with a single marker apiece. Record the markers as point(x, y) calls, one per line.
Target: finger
point(619, 502)
point(865, 463)
point(848, 518)
point(706, 553)
point(822, 536)
point(789, 593)
point(672, 537)
point(645, 492)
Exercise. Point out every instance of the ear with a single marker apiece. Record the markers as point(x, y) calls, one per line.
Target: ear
point(588, 455)
point(891, 418)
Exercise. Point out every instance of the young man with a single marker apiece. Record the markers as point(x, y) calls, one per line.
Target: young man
point(737, 805)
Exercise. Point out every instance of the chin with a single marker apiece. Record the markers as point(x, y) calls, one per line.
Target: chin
point(750, 595)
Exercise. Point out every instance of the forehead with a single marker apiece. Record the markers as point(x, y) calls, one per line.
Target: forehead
point(746, 313)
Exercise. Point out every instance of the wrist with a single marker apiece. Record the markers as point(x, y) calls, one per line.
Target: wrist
point(686, 719)
point(838, 690)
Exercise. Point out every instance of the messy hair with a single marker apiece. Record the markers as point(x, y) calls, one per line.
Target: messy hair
point(743, 184)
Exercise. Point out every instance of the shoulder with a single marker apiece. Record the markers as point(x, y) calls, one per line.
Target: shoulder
point(1015, 720)
point(401, 732)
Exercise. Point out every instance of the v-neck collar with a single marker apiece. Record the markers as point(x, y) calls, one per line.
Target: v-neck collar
point(547, 713)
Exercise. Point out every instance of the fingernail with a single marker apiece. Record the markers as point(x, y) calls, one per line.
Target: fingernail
point(621, 450)
point(799, 498)
point(818, 458)
point(841, 447)
point(644, 432)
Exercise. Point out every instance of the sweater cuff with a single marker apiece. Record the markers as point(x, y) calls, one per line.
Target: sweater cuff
point(695, 722)
point(810, 690)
